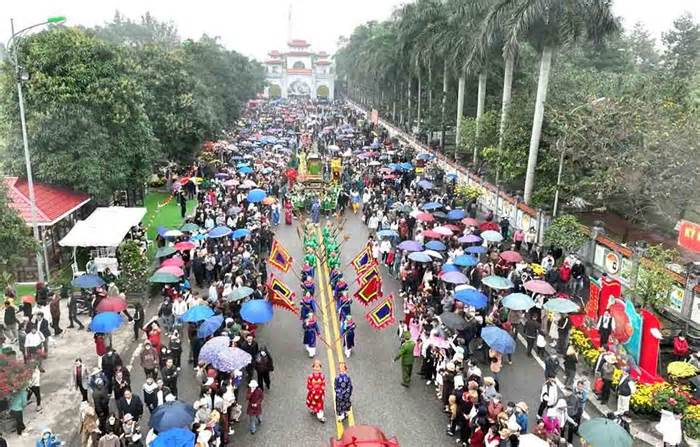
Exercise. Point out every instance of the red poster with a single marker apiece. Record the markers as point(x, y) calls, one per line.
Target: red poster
point(649, 355)
point(689, 235)
point(593, 294)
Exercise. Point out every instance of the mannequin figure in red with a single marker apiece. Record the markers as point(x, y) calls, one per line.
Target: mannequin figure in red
point(316, 391)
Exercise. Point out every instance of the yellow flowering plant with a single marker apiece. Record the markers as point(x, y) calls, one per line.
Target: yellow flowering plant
point(691, 421)
point(681, 370)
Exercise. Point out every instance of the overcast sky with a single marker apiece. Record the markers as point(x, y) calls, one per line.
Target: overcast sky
point(254, 27)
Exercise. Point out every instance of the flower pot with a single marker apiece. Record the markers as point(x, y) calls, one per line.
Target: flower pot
point(690, 441)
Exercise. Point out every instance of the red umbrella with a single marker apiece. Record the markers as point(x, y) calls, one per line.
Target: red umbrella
point(511, 256)
point(28, 299)
point(486, 226)
point(539, 286)
point(469, 221)
point(173, 270)
point(174, 261)
point(432, 234)
point(425, 217)
point(111, 304)
point(184, 180)
point(365, 436)
point(184, 246)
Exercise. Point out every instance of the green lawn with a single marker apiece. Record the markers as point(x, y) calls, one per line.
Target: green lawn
point(167, 216)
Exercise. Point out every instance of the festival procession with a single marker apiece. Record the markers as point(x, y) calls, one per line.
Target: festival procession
point(318, 275)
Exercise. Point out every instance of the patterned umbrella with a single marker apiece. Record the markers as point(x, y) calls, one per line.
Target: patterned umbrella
point(212, 348)
point(231, 359)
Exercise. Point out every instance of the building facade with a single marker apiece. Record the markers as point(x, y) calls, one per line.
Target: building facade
point(299, 72)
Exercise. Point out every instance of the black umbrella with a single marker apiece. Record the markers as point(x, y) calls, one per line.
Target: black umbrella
point(453, 321)
point(439, 215)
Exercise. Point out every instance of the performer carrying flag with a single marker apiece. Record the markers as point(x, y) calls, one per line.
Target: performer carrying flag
point(280, 257)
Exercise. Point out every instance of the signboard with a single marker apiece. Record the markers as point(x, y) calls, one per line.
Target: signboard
point(599, 256)
point(676, 302)
point(689, 235)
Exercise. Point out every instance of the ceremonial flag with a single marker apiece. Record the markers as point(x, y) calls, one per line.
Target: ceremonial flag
point(280, 295)
point(369, 291)
point(382, 315)
point(280, 257)
point(366, 274)
point(363, 258)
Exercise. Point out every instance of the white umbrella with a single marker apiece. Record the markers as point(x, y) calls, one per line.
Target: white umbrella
point(374, 163)
point(173, 233)
point(491, 236)
point(433, 253)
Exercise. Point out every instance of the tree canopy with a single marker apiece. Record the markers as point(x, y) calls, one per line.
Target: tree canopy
point(105, 105)
point(622, 107)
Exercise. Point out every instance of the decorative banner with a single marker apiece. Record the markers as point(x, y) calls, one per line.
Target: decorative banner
point(280, 295)
point(280, 257)
point(649, 354)
point(593, 295)
point(382, 315)
point(366, 274)
point(689, 235)
point(363, 259)
point(369, 291)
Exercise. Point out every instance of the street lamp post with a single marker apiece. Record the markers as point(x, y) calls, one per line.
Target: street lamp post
point(25, 141)
point(562, 149)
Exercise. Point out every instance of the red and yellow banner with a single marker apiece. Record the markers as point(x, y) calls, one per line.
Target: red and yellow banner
point(689, 235)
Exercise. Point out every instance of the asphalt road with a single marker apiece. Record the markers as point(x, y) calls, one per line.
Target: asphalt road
point(412, 414)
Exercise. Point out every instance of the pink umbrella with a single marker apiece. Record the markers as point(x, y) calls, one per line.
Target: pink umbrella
point(444, 231)
point(438, 342)
point(173, 270)
point(175, 261)
point(470, 221)
point(539, 286)
point(431, 234)
point(184, 246)
point(452, 227)
point(425, 217)
point(509, 256)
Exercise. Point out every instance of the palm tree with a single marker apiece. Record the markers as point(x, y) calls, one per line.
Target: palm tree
point(549, 24)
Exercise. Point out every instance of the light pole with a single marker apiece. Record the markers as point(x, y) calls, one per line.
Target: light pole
point(30, 181)
point(562, 149)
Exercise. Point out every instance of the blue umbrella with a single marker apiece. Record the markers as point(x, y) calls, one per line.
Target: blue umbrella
point(411, 246)
point(257, 311)
point(256, 195)
point(175, 437)
point(425, 156)
point(406, 166)
point(436, 245)
point(241, 165)
point(209, 326)
point(476, 250)
point(419, 256)
point(518, 301)
point(106, 322)
point(465, 261)
point(161, 230)
point(87, 282)
point(472, 297)
point(245, 170)
point(425, 185)
point(431, 206)
point(446, 268)
point(197, 313)
point(456, 214)
point(387, 233)
point(240, 233)
point(220, 231)
point(451, 176)
point(176, 414)
point(498, 339)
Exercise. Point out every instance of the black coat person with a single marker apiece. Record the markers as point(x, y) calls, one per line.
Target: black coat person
point(110, 361)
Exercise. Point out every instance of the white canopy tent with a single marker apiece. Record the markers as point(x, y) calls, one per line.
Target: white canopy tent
point(105, 227)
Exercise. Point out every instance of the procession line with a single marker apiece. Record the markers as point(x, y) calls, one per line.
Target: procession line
point(331, 361)
point(335, 325)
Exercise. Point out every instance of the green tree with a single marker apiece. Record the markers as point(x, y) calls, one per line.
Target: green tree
point(16, 241)
point(682, 45)
point(566, 233)
point(643, 49)
point(147, 31)
point(134, 268)
point(654, 281)
point(85, 116)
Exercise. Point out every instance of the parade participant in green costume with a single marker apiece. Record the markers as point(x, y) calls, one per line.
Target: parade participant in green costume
point(333, 260)
point(406, 356)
